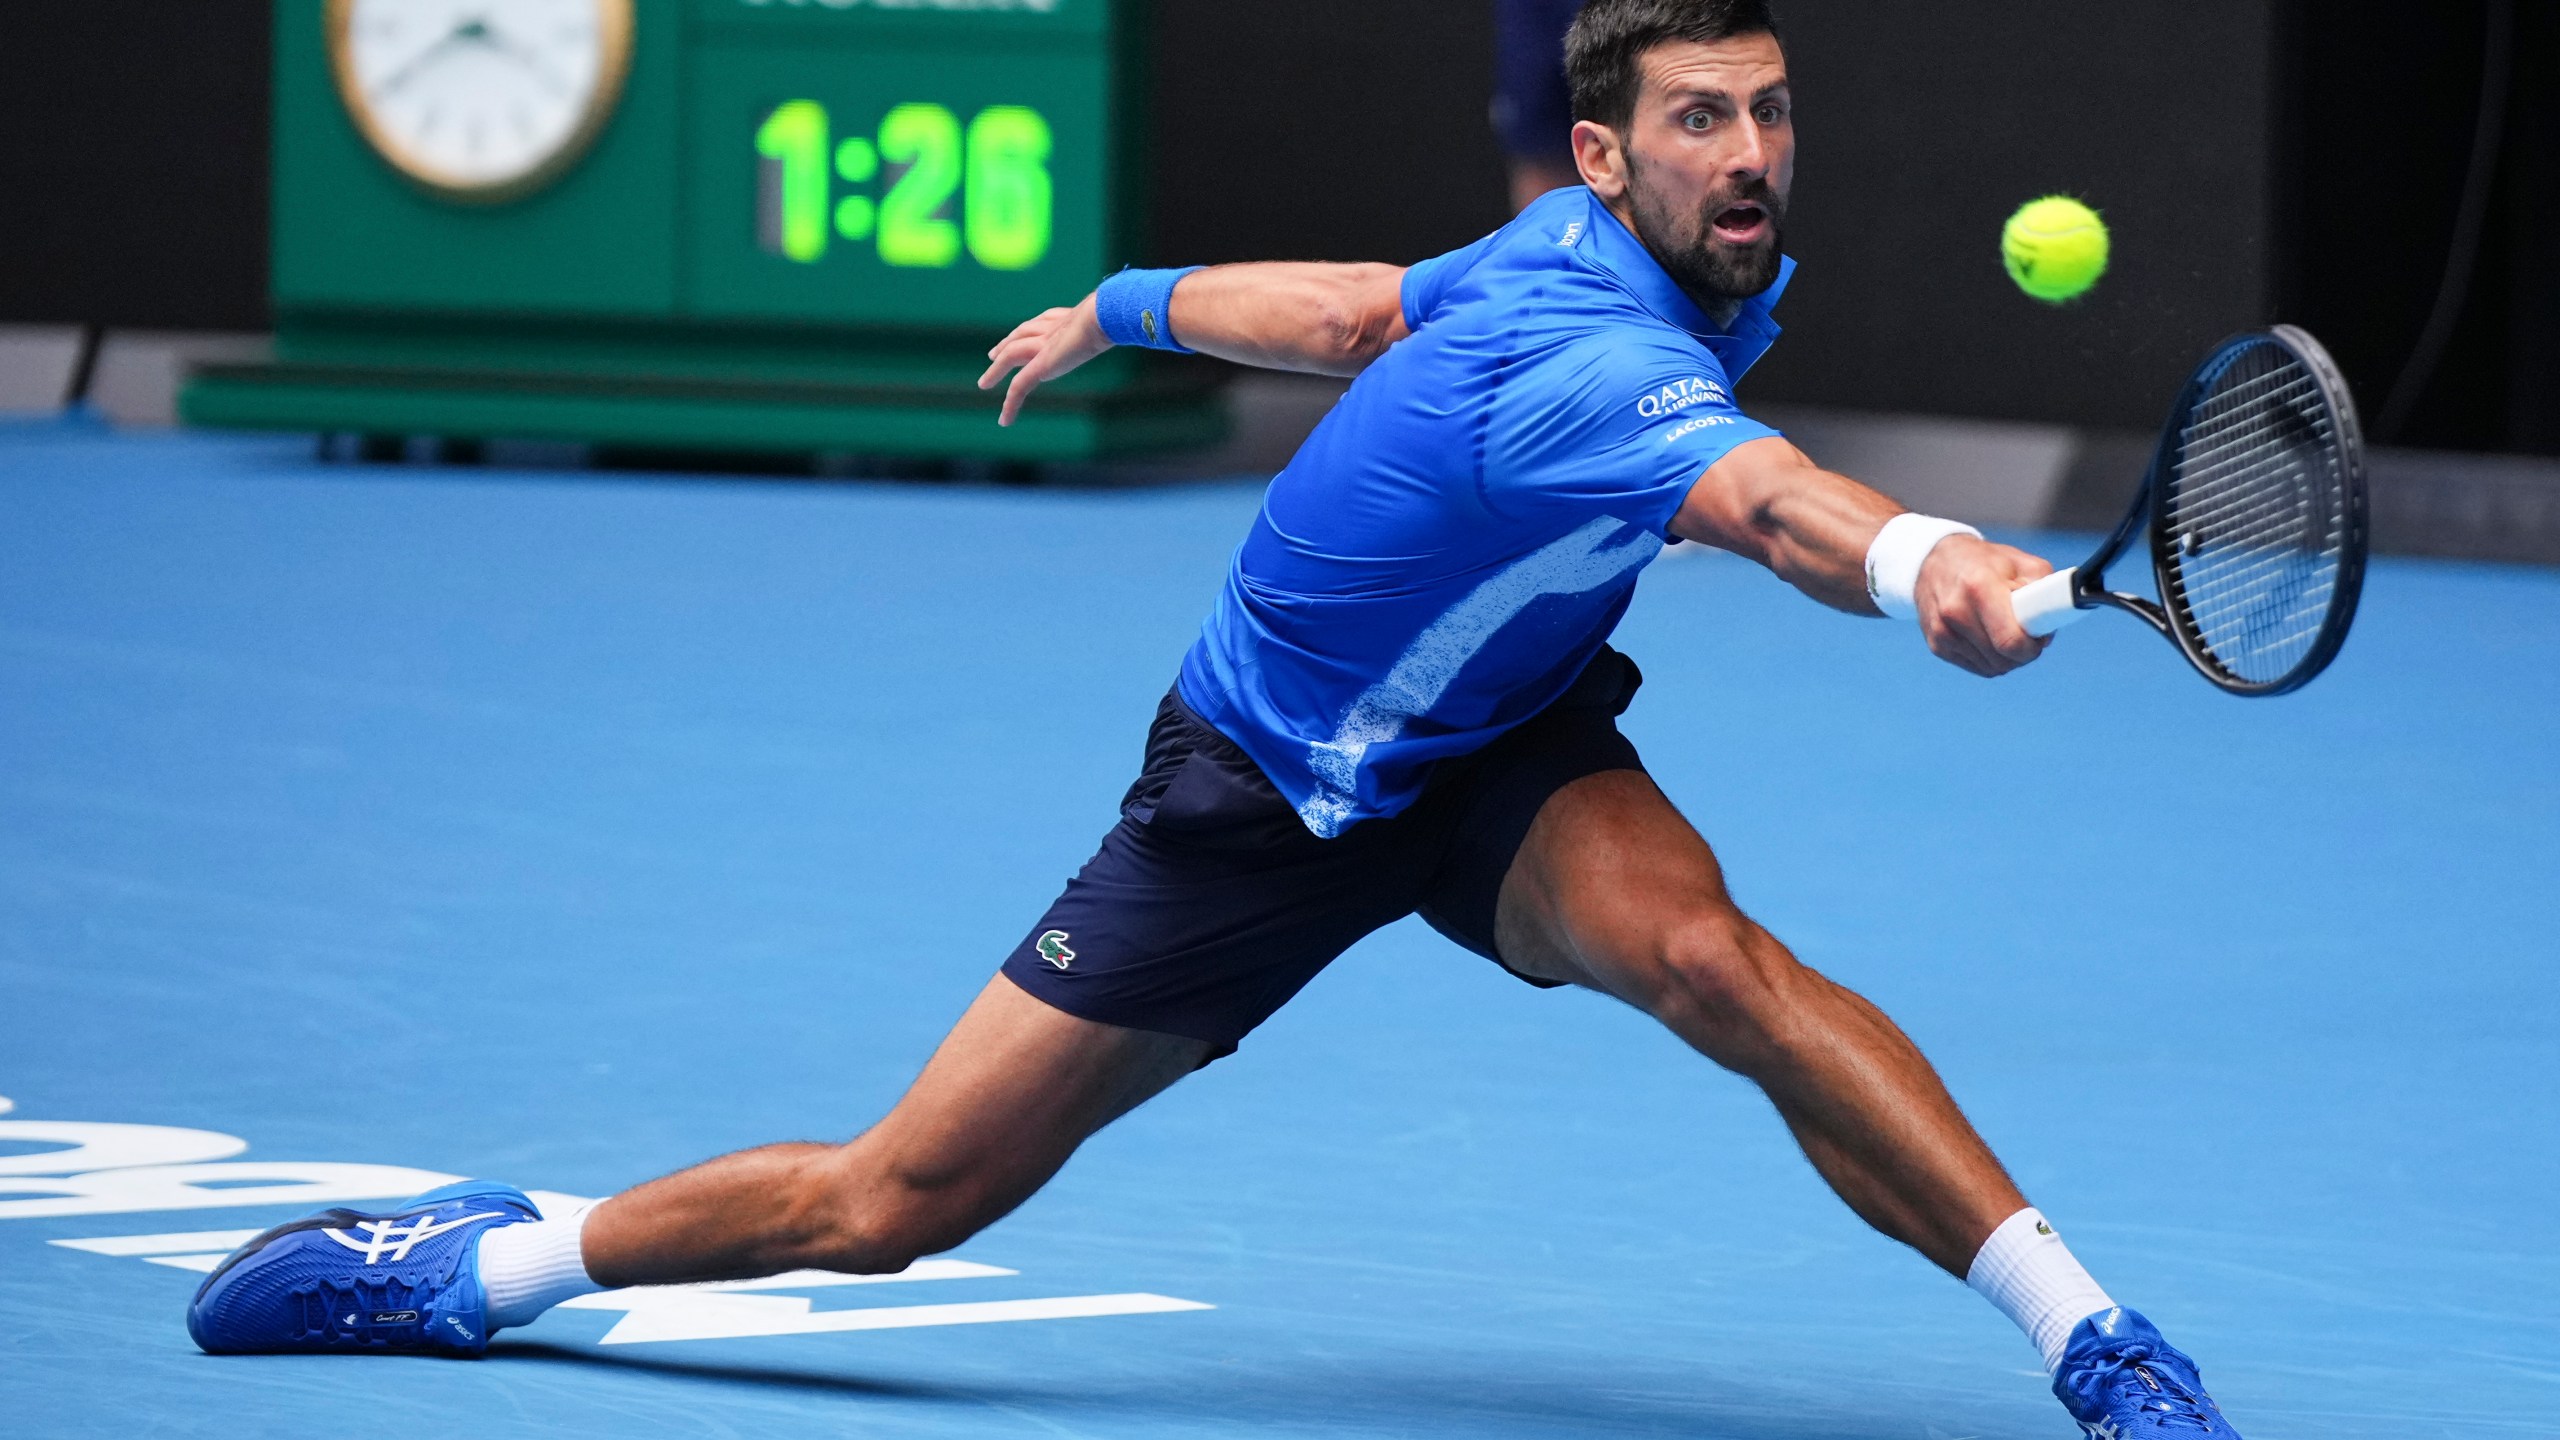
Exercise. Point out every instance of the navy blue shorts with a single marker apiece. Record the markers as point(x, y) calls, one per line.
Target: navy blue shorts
point(1210, 903)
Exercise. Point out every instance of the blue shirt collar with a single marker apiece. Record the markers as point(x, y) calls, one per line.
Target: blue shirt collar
point(1612, 247)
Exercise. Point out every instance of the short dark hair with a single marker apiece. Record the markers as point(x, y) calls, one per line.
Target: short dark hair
point(1610, 37)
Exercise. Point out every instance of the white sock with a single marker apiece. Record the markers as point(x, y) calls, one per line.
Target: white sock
point(527, 1268)
point(2026, 1270)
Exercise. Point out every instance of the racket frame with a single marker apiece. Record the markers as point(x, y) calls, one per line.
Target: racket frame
point(2150, 510)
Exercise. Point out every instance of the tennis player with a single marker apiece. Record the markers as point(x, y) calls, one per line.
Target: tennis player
point(1403, 701)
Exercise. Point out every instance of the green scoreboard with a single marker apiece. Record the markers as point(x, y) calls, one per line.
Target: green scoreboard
point(756, 224)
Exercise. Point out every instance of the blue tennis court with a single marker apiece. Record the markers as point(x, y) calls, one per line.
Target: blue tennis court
point(364, 821)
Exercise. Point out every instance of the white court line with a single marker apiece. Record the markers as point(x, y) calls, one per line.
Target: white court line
point(822, 1279)
point(712, 1316)
point(188, 1250)
point(735, 1309)
point(225, 1241)
point(637, 1295)
point(202, 1250)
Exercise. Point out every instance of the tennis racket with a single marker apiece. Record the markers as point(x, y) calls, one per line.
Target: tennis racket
point(2256, 508)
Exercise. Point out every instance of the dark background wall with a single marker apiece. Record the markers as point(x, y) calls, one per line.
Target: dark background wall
point(2257, 159)
point(1922, 126)
point(133, 163)
point(2389, 105)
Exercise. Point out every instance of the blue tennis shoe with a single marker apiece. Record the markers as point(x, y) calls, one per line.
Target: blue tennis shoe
point(404, 1280)
point(2122, 1381)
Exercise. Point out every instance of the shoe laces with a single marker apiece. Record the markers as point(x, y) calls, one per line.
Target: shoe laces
point(2153, 1379)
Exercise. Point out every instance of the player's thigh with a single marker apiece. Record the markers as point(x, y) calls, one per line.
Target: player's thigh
point(1608, 883)
point(1011, 1092)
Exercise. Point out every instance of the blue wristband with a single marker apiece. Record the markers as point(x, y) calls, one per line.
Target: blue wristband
point(1136, 308)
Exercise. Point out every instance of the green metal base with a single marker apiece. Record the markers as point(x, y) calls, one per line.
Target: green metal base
point(937, 422)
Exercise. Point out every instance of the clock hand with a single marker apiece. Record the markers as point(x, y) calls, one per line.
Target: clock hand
point(391, 83)
point(530, 59)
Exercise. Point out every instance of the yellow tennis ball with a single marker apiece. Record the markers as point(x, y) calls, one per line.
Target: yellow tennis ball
point(2055, 248)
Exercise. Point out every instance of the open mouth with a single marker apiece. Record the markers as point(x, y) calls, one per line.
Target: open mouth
point(1741, 224)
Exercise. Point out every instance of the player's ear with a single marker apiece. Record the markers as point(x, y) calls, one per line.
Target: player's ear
point(1601, 157)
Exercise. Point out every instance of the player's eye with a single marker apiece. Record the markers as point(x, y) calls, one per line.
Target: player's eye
point(1698, 120)
point(1769, 114)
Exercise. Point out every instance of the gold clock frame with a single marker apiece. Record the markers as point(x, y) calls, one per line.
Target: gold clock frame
point(613, 70)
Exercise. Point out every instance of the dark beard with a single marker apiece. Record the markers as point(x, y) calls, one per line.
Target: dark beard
point(1713, 273)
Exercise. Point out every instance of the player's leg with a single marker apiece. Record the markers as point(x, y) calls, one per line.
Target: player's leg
point(1009, 1095)
point(1614, 890)
point(1012, 1091)
point(1205, 909)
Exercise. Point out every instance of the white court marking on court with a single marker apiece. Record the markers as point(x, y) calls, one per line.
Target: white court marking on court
point(723, 1310)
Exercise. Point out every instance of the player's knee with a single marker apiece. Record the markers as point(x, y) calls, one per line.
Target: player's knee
point(1724, 981)
point(870, 1239)
point(867, 1220)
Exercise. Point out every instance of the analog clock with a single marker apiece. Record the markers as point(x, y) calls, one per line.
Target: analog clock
point(480, 99)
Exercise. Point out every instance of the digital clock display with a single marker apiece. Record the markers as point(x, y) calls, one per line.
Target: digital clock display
point(904, 180)
point(902, 167)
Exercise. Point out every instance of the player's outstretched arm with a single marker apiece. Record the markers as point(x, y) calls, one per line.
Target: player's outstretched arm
point(1322, 319)
point(1767, 501)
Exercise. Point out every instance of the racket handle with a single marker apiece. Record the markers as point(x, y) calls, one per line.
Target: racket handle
point(2045, 606)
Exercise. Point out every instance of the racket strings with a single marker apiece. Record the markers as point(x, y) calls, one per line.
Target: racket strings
point(2257, 514)
point(2249, 548)
point(2254, 575)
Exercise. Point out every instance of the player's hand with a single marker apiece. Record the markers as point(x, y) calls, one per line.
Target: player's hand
point(1964, 604)
point(1043, 347)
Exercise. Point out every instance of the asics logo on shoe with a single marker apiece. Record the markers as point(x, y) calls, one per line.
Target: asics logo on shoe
point(390, 1241)
point(2103, 1429)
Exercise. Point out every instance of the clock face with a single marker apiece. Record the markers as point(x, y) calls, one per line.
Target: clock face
point(480, 99)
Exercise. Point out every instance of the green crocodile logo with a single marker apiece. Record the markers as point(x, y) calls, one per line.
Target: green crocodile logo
point(1052, 946)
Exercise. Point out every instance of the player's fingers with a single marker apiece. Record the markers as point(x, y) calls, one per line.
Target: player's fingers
point(2000, 643)
point(1025, 341)
point(1988, 658)
point(1065, 339)
point(1035, 341)
point(1949, 642)
point(1036, 327)
point(2001, 629)
point(1016, 395)
point(1012, 353)
point(1012, 340)
point(1027, 380)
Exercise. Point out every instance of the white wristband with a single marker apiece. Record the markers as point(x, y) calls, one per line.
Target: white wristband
point(1894, 560)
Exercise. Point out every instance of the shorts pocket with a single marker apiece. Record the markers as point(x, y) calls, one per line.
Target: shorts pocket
point(1220, 798)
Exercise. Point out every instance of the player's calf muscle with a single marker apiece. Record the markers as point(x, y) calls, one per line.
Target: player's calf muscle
point(783, 1207)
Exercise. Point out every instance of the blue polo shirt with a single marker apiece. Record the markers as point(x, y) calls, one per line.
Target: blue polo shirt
point(1454, 542)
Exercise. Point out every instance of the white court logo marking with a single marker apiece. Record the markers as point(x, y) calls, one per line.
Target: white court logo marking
point(164, 1168)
